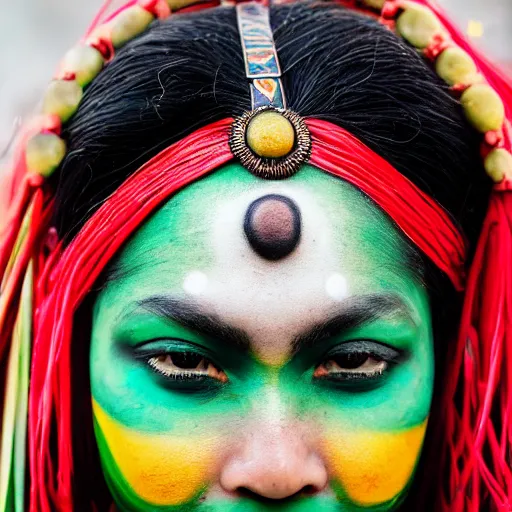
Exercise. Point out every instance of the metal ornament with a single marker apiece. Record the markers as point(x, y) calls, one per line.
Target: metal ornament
point(271, 168)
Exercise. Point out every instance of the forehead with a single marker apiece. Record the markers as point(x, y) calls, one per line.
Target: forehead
point(195, 248)
point(347, 244)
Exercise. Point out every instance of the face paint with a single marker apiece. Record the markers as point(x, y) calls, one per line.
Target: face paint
point(157, 474)
point(373, 467)
point(216, 370)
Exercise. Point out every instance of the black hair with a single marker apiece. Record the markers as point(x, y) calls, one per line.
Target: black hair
point(188, 71)
point(338, 65)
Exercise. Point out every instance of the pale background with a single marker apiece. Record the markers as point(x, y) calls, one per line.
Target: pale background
point(34, 34)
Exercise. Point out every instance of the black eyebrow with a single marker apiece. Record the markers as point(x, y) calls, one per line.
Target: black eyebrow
point(355, 311)
point(194, 318)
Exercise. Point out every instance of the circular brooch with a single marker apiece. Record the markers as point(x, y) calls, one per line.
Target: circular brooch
point(271, 143)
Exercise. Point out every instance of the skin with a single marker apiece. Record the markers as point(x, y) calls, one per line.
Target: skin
point(276, 425)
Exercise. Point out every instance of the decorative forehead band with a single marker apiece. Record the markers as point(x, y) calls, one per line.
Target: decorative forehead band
point(271, 141)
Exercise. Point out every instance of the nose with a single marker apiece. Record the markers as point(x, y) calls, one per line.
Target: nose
point(275, 462)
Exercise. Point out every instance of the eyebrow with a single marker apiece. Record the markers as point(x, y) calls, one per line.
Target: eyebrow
point(354, 312)
point(194, 318)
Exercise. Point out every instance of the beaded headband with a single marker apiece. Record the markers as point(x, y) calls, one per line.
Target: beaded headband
point(270, 141)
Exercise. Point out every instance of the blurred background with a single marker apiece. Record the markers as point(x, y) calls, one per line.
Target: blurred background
point(34, 34)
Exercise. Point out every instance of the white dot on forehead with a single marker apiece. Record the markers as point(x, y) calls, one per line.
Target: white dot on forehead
point(336, 287)
point(195, 283)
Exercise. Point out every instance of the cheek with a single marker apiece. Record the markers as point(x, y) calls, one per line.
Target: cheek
point(157, 469)
point(372, 467)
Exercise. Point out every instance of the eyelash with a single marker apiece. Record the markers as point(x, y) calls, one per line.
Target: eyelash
point(209, 372)
point(205, 372)
point(383, 357)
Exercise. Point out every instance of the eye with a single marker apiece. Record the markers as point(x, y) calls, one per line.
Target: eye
point(351, 364)
point(358, 360)
point(186, 366)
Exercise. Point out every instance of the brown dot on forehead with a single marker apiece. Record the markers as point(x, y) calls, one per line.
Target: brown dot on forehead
point(272, 226)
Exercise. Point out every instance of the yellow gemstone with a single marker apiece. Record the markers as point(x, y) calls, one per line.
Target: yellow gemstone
point(483, 107)
point(498, 165)
point(62, 98)
point(85, 62)
point(455, 66)
point(44, 153)
point(418, 25)
point(129, 23)
point(270, 135)
point(376, 4)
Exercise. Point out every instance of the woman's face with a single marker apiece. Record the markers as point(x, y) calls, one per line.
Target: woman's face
point(225, 380)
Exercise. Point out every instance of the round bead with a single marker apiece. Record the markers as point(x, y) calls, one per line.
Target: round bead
point(44, 153)
point(270, 135)
point(375, 4)
point(128, 24)
point(456, 67)
point(498, 165)
point(418, 25)
point(85, 62)
point(483, 107)
point(62, 98)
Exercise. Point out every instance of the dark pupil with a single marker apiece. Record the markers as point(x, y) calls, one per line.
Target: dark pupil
point(187, 361)
point(351, 361)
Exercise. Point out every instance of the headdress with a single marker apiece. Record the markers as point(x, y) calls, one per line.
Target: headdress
point(43, 282)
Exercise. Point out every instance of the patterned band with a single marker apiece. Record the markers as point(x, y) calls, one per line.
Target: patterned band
point(261, 62)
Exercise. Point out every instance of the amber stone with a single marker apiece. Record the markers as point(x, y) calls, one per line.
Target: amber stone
point(270, 135)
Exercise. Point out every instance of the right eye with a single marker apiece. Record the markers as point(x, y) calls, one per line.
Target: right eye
point(186, 366)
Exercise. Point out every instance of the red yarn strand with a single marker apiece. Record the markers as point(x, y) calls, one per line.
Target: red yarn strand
point(420, 218)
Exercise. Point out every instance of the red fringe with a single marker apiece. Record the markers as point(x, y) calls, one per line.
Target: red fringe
point(70, 274)
point(420, 218)
point(478, 403)
point(61, 289)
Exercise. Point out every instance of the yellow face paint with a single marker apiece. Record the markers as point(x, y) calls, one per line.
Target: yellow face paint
point(162, 469)
point(373, 467)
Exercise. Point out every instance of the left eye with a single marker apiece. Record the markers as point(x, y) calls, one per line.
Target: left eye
point(351, 365)
point(186, 365)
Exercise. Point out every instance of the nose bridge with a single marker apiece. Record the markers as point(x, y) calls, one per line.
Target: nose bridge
point(274, 424)
point(273, 403)
point(277, 456)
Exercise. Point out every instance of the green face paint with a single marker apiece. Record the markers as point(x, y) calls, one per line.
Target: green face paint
point(215, 370)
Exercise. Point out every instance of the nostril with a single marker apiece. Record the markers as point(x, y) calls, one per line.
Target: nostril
point(307, 490)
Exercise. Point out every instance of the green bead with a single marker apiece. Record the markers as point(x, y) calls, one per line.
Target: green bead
point(375, 4)
point(44, 153)
point(128, 24)
point(456, 67)
point(483, 107)
point(62, 98)
point(418, 25)
point(498, 165)
point(85, 62)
